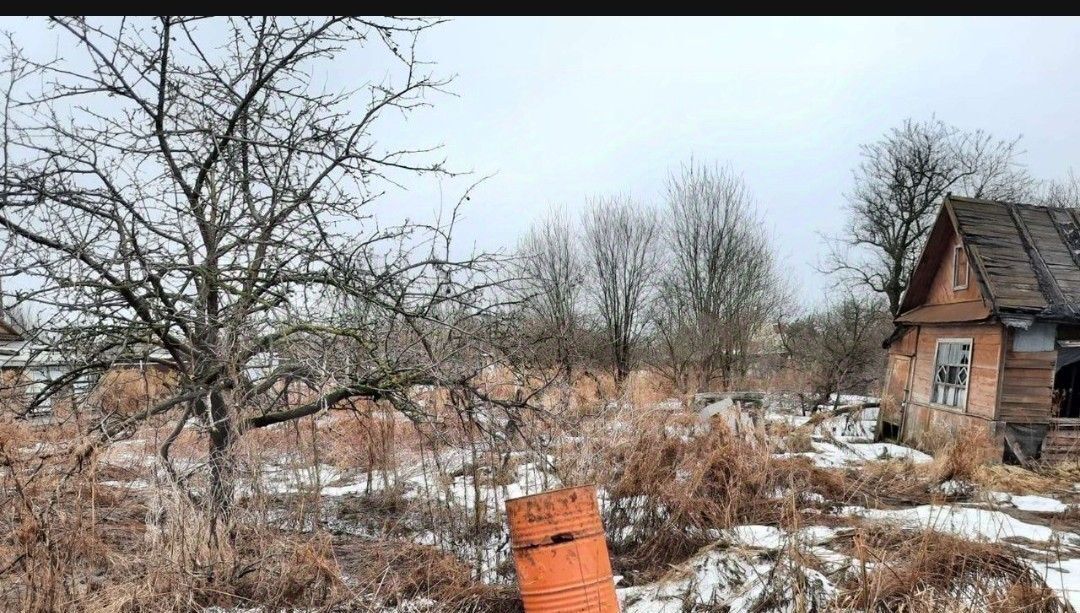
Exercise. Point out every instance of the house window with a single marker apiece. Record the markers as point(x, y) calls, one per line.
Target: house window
point(959, 268)
point(952, 367)
point(82, 384)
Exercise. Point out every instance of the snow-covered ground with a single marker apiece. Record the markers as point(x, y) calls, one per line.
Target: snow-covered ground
point(745, 566)
point(831, 455)
point(737, 571)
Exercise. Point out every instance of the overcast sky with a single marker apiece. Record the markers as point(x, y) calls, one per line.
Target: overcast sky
point(561, 110)
point(566, 109)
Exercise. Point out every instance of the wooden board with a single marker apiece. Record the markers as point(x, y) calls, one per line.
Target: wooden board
point(896, 383)
point(986, 355)
point(953, 312)
point(1027, 385)
point(941, 288)
point(1062, 442)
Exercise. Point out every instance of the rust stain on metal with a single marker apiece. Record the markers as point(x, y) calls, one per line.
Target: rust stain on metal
point(560, 552)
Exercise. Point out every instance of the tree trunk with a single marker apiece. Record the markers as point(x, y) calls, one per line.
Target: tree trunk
point(622, 373)
point(222, 471)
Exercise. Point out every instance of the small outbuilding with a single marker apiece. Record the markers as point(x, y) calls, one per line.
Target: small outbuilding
point(988, 335)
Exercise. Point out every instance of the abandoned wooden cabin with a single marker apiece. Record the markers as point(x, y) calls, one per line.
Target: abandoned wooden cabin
point(988, 335)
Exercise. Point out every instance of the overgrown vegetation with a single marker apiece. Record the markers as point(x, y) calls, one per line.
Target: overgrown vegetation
point(370, 510)
point(257, 396)
point(930, 571)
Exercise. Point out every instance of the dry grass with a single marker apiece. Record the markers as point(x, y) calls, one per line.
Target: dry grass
point(393, 572)
point(672, 481)
point(962, 454)
point(1047, 480)
point(924, 571)
point(591, 387)
point(887, 483)
point(789, 439)
point(902, 482)
point(106, 548)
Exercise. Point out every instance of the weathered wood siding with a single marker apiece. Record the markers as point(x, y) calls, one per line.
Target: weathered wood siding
point(941, 288)
point(985, 365)
point(897, 371)
point(1062, 441)
point(896, 381)
point(1027, 385)
point(929, 428)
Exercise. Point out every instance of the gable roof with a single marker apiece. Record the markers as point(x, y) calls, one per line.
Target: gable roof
point(1025, 257)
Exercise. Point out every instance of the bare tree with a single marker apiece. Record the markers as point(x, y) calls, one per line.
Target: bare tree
point(187, 192)
point(620, 240)
point(553, 274)
point(720, 287)
point(1063, 194)
point(838, 347)
point(898, 188)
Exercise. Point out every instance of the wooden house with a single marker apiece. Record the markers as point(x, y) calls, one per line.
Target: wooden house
point(988, 335)
point(25, 369)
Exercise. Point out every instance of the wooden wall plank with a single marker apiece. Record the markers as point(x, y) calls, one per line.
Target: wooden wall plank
point(899, 367)
point(941, 288)
point(985, 363)
point(1027, 385)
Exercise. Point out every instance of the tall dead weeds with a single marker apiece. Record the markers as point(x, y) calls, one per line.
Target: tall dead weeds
point(924, 571)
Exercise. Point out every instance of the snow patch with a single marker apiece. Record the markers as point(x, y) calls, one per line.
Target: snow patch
point(966, 522)
point(1039, 504)
point(831, 455)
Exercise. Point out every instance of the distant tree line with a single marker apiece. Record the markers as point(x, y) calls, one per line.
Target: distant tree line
point(691, 290)
point(687, 288)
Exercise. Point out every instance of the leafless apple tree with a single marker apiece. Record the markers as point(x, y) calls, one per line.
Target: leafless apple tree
point(838, 348)
point(621, 241)
point(553, 278)
point(189, 192)
point(898, 188)
point(719, 288)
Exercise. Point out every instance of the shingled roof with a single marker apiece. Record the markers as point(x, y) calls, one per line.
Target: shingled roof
point(1026, 257)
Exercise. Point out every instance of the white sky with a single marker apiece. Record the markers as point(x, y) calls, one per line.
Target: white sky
point(561, 110)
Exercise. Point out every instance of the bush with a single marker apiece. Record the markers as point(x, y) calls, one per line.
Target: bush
point(672, 483)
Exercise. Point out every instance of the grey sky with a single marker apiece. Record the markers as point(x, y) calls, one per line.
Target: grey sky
point(560, 110)
point(564, 109)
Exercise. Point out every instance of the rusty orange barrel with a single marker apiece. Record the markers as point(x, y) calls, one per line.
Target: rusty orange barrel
point(560, 552)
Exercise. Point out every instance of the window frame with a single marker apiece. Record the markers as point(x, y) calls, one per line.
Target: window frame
point(959, 408)
point(957, 249)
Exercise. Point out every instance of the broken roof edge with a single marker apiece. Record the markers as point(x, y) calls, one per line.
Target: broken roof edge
point(952, 312)
point(1043, 234)
point(1029, 205)
point(1047, 296)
